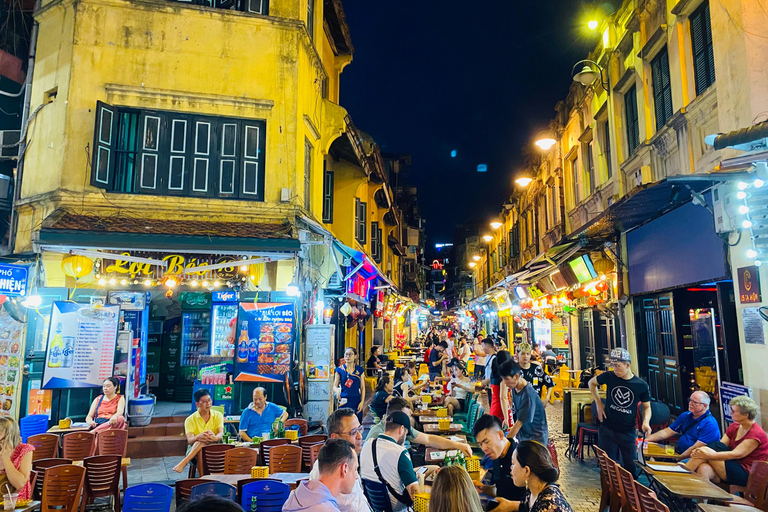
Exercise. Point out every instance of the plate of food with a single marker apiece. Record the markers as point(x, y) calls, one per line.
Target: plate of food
point(267, 328)
point(267, 338)
point(14, 347)
point(265, 369)
point(284, 327)
point(283, 349)
point(266, 358)
point(266, 348)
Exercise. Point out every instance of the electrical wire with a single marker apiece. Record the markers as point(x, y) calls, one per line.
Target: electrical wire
point(737, 25)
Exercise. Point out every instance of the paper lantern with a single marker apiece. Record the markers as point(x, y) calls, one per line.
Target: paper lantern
point(603, 266)
point(256, 271)
point(346, 309)
point(77, 266)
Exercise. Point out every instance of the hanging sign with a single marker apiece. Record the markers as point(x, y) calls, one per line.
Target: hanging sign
point(13, 280)
point(749, 285)
point(81, 345)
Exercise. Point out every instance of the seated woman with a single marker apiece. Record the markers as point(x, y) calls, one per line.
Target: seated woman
point(453, 491)
point(383, 396)
point(107, 410)
point(459, 386)
point(404, 384)
point(532, 468)
point(744, 442)
point(15, 460)
point(374, 366)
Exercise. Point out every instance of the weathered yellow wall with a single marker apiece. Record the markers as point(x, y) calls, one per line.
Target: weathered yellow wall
point(171, 56)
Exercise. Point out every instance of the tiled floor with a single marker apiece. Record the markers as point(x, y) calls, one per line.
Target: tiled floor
point(163, 409)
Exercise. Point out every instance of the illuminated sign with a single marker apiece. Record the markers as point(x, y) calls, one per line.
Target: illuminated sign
point(749, 285)
point(582, 267)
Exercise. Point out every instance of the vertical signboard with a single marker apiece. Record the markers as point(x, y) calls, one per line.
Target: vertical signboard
point(729, 390)
point(12, 334)
point(319, 367)
point(265, 338)
point(81, 345)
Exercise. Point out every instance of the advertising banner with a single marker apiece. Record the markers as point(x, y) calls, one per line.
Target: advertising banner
point(11, 362)
point(265, 340)
point(81, 345)
point(13, 280)
point(729, 390)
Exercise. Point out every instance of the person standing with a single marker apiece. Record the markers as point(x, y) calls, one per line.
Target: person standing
point(465, 351)
point(534, 373)
point(343, 424)
point(479, 358)
point(530, 418)
point(436, 359)
point(616, 433)
point(349, 378)
point(696, 426)
point(489, 349)
point(337, 465)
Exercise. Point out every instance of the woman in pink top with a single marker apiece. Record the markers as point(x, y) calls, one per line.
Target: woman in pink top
point(15, 460)
point(743, 443)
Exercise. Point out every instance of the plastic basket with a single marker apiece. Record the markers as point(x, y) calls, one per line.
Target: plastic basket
point(293, 435)
point(421, 502)
point(473, 464)
point(444, 424)
point(260, 472)
point(426, 399)
point(442, 413)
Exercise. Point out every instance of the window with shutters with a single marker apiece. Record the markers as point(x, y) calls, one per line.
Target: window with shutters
point(576, 179)
point(607, 149)
point(377, 245)
point(311, 18)
point(307, 174)
point(327, 195)
point(514, 242)
point(361, 226)
point(589, 177)
point(703, 53)
point(632, 119)
point(139, 151)
point(662, 88)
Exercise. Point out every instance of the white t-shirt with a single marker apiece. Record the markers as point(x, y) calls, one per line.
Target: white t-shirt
point(352, 502)
point(465, 353)
point(479, 354)
point(461, 393)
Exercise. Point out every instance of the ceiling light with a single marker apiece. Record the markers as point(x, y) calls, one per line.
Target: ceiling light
point(758, 183)
point(472, 264)
point(524, 181)
point(746, 224)
point(742, 185)
point(592, 24)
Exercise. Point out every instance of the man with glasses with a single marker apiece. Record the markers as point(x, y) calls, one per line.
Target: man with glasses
point(203, 427)
point(343, 424)
point(696, 427)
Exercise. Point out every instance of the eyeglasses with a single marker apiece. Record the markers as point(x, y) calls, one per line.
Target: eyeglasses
point(691, 401)
point(354, 431)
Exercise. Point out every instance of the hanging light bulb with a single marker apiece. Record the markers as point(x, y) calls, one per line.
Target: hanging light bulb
point(758, 263)
point(741, 194)
point(216, 283)
point(746, 224)
point(194, 283)
point(112, 281)
point(123, 282)
point(743, 209)
point(170, 282)
point(102, 281)
point(742, 185)
point(205, 284)
point(244, 268)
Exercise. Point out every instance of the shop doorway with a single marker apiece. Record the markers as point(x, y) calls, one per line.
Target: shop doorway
point(597, 337)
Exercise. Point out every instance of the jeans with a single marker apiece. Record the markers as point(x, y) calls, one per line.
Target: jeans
point(620, 446)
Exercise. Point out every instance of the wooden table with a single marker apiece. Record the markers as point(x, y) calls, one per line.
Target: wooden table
point(29, 506)
point(286, 478)
point(56, 430)
point(691, 487)
point(653, 472)
point(124, 463)
point(434, 419)
point(428, 454)
point(708, 507)
point(426, 412)
point(433, 428)
point(657, 451)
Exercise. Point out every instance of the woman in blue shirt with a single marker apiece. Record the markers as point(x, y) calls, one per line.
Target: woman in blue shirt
point(383, 396)
point(349, 377)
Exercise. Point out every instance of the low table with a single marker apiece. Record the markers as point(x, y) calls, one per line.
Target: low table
point(433, 428)
point(56, 430)
point(658, 451)
point(434, 419)
point(425, 412)
point(124, 463)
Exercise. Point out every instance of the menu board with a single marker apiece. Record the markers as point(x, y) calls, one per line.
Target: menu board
point(11, 361)
point(265, 337)
point(318, 343)
point(81, 345)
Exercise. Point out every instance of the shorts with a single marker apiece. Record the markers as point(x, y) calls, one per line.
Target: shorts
point(461, 403)
point(735, 474)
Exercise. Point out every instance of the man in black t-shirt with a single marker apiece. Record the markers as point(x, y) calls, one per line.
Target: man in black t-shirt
point(534, 372)
point(616, 434)
point(497, 482)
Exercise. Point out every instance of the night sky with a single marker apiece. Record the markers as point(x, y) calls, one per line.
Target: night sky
point(480, 77)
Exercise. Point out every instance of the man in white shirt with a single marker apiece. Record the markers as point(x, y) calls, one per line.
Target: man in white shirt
point(343, 424)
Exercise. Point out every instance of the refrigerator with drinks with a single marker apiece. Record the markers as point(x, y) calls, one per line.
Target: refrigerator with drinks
point(195, 339)
point(223, 324)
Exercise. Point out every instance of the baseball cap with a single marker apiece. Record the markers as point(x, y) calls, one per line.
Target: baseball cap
point(399, 418)
point(621, 355)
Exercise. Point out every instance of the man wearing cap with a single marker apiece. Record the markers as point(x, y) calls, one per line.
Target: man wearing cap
point(387, 461)
point(616, 434)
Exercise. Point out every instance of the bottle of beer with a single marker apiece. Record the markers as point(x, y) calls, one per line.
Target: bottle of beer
point(253, 503)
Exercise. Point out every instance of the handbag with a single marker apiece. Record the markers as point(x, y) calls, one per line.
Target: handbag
point(100, 421)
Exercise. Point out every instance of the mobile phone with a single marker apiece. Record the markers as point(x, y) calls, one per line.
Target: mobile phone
point(492, 505)
point(421, 470)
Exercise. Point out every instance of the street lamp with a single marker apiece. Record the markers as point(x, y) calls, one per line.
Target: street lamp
point(487, 238)
point(476, 257)
point(545, 140)
point(524, 180)
point(472, 264)
point(588, 75)
point(496, 224)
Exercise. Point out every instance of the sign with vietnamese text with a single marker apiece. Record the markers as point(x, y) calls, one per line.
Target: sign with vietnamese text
point(265, 340)
point(81, 345)
point(13, 280)
point(729, 390)
point(749, 285)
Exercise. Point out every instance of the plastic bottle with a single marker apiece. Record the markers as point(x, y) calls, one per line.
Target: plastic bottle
point(57, 347)
point(242, 347)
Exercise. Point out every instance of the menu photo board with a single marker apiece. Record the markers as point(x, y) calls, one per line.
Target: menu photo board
point(81, 345)
point(11, 362)
point(265, 340)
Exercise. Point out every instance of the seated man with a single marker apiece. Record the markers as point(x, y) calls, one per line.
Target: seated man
point(259, 416)
point(343, 424)
point(696, 427)
point(203, 427)
point(498, 482)
point(337, 463)
point(392, 465)
point(413, 435)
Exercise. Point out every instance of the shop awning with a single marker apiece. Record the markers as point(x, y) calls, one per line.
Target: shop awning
point(135, 233)
point(542, 264)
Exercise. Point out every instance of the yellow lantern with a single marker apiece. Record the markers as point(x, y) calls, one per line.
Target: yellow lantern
point(603, 266)
point(256, 271)
point(77, 266)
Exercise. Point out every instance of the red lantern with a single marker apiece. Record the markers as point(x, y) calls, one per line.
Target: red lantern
point(591, 301)
point(601, 286)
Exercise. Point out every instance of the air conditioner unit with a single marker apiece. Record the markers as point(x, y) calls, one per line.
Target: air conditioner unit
point(724, 208)
point(8, 137)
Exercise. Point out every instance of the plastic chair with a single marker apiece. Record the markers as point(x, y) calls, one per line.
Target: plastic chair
point(614, 481)
point(377, 495)
point(558, 392)
point(314, 452)
point(213, 458)
point(270, 495)
point(605, 480)
point(305, 443)
point(62, 488)
point(648, 501)
point(147, 498)
point(629, 501)
point(219, 489)
point(41, 465)
point(184, 488)
point(285, 459)
point(266, 446)
point(46, 446)
point(240, 461)
point(77, 445)
point(757, 485)
point(114, 442)
point(586, 433)
point(33, 425)
point(102, 479)
point(303, 425)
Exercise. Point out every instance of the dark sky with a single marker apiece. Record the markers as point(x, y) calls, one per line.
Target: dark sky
point(480, 77)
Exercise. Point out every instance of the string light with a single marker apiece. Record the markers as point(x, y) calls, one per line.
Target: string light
point(741, 194)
